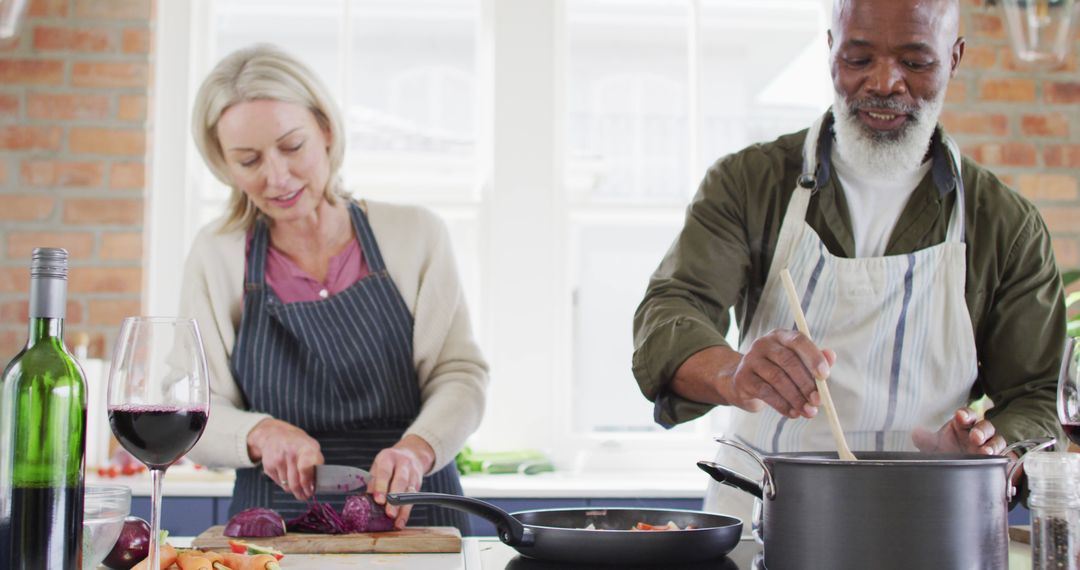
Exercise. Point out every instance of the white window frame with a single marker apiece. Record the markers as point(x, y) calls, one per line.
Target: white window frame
point(525, 287)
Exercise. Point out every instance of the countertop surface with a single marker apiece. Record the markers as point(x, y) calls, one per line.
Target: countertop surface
point(490, 554)
point(689, 484)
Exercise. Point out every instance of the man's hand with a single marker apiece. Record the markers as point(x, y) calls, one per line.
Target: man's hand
point(964, 433)
point(779, 370)
point(288, 454)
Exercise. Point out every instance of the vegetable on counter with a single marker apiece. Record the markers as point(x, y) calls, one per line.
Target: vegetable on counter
point(131, 546)
point(168, 558)
point(320, 518)
point(255, 522)
point(360, 514)
point(261, 562)
point(193, 560)
point(235, 561)
point(241, 547)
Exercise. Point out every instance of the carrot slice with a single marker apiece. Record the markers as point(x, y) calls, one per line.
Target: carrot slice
point(261, 562)
point(193, 560)
point(168, 558)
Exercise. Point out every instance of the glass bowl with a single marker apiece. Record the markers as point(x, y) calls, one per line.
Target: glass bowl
point(104, 509)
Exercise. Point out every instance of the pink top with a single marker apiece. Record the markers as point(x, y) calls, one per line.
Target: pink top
point(293, 285)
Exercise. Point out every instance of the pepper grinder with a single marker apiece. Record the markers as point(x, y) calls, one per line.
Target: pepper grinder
point(1054, 501)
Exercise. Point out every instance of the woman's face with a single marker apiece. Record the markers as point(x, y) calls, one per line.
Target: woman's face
point(276, 153)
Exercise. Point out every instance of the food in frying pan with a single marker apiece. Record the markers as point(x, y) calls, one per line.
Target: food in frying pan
point(669, 526)
point(646, 526)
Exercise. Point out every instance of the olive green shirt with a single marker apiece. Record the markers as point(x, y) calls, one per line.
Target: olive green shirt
point(722, 256)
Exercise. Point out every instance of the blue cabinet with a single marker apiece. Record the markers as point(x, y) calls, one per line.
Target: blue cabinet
point(185, 516)
point(481, 527)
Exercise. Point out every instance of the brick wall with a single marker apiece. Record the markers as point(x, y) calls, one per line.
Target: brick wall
point(73, 159)
point(1023, 124)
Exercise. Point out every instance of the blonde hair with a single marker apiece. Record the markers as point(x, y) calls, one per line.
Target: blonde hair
point(258, 72)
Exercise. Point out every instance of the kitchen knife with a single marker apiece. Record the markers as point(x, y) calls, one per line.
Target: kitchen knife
point(340, 479)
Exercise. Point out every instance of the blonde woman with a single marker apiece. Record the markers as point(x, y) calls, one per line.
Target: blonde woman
point(336, 329)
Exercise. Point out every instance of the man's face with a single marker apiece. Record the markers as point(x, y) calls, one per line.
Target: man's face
point(890, 57)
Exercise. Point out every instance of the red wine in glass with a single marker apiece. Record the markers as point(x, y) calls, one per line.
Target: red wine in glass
point(157, 435)
point(1072, 431)
point(159, 397)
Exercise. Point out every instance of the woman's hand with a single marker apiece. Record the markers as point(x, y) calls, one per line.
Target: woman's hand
point(288, 454)
point(401, 469)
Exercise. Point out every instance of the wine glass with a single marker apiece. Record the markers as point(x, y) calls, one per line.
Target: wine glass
point(159, 398)
point(1068, 397)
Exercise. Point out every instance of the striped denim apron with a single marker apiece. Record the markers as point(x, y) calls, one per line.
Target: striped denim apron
point(905, 347)
point(339, 368)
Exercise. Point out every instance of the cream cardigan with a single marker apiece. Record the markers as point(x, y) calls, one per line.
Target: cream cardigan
point(415, 246)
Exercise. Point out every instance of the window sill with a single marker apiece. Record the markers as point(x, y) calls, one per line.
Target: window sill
point(681, 484)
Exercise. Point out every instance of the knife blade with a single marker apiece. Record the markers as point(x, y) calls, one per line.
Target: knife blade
point(340, 478)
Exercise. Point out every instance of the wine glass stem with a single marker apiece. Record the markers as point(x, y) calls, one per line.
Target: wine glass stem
point(155, 518)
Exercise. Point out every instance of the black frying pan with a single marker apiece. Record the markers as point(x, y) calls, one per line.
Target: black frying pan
point(560, 535)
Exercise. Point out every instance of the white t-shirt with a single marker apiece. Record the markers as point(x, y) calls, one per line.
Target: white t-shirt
point(875, 203)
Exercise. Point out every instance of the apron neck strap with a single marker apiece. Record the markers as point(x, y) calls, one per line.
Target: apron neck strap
point(808, 178)
point(956, 230)
point(258, 249)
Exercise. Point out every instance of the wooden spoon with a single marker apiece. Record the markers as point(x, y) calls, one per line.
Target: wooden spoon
point(822, 386)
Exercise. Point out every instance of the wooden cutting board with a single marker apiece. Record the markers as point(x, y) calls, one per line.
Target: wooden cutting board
point(412, 539)
point(1020, 533)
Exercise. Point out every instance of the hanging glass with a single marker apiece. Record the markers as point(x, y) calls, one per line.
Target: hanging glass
point(1040, 31)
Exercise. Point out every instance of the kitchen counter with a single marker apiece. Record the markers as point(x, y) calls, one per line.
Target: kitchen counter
point(490, 554)
point(682, 484)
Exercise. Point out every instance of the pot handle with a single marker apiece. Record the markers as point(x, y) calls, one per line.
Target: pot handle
point(730, 478)
point(511, 531)
point(1034, 444)
point(768, 489)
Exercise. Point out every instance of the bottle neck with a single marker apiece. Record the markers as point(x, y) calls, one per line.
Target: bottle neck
point(42, 328)
point(48, 305)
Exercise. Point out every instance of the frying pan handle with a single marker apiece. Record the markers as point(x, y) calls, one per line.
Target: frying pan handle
point(511, 531)
point(730, 478)
point(1034, 444)
point(769, 486)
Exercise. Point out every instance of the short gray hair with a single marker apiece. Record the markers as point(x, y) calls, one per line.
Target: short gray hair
point(262, 72)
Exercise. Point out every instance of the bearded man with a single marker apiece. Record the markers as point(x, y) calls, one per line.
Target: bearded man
point(926, 282)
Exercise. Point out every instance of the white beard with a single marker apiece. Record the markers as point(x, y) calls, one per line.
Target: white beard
point(874, 154)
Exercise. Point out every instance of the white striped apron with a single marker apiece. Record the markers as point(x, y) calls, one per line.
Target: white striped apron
point(339, 368)
point(905, 347)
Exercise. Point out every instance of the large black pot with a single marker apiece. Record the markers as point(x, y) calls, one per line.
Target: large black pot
point(888, 510)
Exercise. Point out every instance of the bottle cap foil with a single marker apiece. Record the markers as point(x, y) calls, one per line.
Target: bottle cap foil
point(49, 262)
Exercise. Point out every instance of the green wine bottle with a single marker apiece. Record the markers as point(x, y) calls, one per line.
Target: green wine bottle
point(43, 434)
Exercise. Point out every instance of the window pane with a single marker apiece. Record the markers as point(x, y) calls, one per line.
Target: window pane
point(308, 30)
point(626, 102)
point(765, 71)
point(412, 96)
point(463, 225)
point(613, 263)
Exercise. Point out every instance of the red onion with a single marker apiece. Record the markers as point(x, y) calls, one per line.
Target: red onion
point(255, 522)
point(361, 514)
point(320, 518)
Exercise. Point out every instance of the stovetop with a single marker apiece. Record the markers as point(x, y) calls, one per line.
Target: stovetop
point(495, 555)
